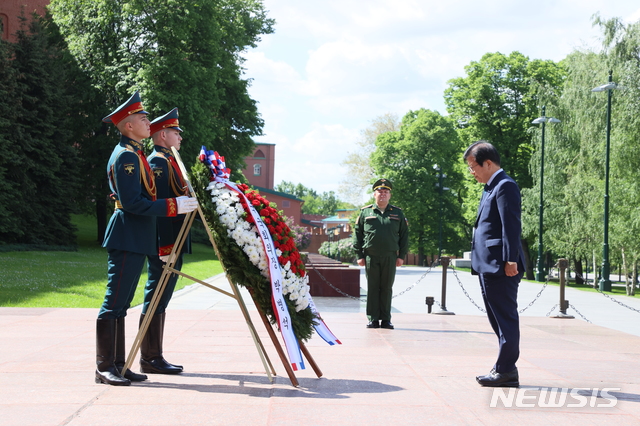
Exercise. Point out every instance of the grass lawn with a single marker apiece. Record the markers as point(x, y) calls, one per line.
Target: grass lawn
point(58, 279)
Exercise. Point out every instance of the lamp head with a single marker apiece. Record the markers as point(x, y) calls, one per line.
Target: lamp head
point(604, 87)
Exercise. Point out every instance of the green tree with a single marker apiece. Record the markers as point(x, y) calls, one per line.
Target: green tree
point(360, 174)
point(9, 193)
point(412, 159)
point(325, 204)
point(574, 155)
point(42, 165)
point(184, 54)
point(297, 190)
point(497, 101)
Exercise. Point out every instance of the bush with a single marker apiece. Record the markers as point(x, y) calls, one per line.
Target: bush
point(340, 250)
point(302, 237)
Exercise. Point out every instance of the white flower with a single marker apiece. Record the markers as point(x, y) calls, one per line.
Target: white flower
point(293, 296)
point(221, 208)
point(246, 235)
point(262, 264)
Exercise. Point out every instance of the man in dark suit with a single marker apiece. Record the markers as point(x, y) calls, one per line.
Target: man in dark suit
point(130, 235)
point(497, 258)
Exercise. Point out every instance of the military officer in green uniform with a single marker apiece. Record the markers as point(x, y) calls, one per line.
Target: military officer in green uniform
point(381, 240)
point(130, 235)
point(166, 134)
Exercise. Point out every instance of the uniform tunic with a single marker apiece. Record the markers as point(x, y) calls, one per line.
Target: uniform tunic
point(170, 183)
point(380, 238)
point(131, 233)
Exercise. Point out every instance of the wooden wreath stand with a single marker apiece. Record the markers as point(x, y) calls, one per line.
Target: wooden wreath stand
point(169, 268)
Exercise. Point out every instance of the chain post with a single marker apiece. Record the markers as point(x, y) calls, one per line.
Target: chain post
point(444, 261)
point(563, 264)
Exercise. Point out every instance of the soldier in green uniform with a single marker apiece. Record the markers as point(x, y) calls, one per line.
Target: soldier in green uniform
point(381, 240)
point(166, 134)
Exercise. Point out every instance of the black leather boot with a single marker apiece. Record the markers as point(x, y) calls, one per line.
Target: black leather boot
point(106, 371)
point(120, 353)
point(151, 360)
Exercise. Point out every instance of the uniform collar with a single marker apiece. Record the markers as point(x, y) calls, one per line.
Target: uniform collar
point(124, 141)
point(376, 207)
point(164, 150)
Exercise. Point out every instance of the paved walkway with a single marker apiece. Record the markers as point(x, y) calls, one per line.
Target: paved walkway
point(420, 373)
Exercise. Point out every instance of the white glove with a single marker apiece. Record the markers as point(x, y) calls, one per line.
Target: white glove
point(186, 204)
point(164, 258)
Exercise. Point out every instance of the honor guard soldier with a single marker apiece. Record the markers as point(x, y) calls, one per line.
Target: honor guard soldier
point(130, 235)
point(170, 183)
point(381, 241)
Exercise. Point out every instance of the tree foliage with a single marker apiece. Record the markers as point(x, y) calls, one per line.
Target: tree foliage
point(575, 151)
point(412, 159)
point(497, 101)
point(178, 54)
point(40, 129)
point(360, 174)
point(325, 203)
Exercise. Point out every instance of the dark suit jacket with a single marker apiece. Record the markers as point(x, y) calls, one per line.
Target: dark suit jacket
point(496, 238)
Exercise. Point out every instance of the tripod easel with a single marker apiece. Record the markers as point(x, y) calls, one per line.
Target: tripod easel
point(169, 268)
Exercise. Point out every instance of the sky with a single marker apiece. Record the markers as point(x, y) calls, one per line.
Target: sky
point(333, 66)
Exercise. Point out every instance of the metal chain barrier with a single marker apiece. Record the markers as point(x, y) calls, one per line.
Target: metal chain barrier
point(334, 287)
point(552, 309)
point(455, 274)
point(578, 312)
point(606, 295)
point(435, 262)
point(484, 311)
point(312, 266)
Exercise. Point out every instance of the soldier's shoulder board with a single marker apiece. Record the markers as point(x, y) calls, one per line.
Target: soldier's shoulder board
point(395, 207)
point(366, 207)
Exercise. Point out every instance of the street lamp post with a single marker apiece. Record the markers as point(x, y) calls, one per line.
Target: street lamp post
point(441, 188)
point(605, 282)
point(542, 120)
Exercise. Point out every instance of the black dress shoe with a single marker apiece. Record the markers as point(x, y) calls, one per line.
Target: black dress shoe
point(159, 366)
point(502, 380)
point(373, 324)
point(387, 324)
point(134, 377)
point(111, 377)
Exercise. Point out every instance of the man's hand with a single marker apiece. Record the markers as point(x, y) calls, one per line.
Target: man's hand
point(186, 204)
point(511, 269)
point(399, 262)
point(164, 258)
point(360, 262)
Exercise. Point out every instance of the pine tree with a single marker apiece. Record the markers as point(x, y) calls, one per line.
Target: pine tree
point(43, 165)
